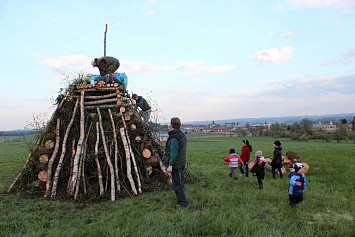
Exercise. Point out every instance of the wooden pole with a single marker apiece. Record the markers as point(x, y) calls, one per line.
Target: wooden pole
point(97, 159)
point(51, 160)
point(79, 146)
point(132, 155)
point(59, 166)
point(112, 172)
point(116, 151)
point(105, 41)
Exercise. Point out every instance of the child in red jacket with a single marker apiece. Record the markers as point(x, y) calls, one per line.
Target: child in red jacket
point(245, 156)
point(233, 160)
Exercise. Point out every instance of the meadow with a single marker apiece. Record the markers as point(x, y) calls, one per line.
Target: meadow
point(219, 205)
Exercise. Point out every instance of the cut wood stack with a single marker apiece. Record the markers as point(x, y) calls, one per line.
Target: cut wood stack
point(287, 163)
point(102, 147)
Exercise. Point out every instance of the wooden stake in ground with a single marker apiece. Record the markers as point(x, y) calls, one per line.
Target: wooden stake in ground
point(113, 192)
point(51, 160)
point(116, 151)
point(132, 155)
point(128, 161)
point(101, 185)
point(79, 146)
point(59, 166)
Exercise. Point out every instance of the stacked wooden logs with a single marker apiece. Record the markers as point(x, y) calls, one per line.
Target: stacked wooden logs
point(110, 148)
point(287, 163)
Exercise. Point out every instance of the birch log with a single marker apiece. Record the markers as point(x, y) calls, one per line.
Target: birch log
point(112, 172)
point(79, 146)
point(51, 160)
point(99, 172)
point(128, 161)
point(116, 151)
point(132, 156)
point(59, 166)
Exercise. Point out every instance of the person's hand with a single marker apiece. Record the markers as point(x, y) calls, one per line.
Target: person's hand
point(169, 169)
point(246, 162)
point(303, 190)
point(298, 183)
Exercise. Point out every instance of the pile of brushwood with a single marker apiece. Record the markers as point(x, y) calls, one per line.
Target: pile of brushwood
point(95, 145)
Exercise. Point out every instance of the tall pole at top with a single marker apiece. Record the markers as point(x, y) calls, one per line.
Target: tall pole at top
point(105, 42)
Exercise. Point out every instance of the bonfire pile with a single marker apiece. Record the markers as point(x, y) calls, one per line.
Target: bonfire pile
point(96, 144)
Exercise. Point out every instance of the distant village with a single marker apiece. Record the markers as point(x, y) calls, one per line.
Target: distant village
point(255, 128)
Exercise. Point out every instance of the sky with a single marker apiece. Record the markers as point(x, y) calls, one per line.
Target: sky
point(199, 60)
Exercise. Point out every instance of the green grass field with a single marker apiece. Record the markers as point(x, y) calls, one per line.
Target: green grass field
point(219, 205)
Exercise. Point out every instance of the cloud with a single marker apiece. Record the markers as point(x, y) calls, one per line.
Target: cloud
point(144, 88)
point(221, 68)
point(73, 64)
point(351, 53)
point(150, 13)
point(120, 23)
point(304, 87)
point(327, 63)
point(273, 55)
point(152, 1)
point(321, 3)
point(284, 34)
point(144, 66)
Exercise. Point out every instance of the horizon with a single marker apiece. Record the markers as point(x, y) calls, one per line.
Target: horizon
point(241, 119)
point(251, 59)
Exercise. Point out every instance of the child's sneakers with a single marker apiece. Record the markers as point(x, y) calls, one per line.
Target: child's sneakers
point(261, 187)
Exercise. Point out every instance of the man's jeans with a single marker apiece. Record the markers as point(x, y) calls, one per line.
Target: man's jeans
point(177, 176)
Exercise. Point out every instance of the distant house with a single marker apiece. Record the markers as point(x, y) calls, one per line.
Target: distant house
point(325, 127)
point(219, 128)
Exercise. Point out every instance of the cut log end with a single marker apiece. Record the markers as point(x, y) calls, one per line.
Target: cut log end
point(43, 159)
point(146, 153)
point(43, 175)
point(49, 144)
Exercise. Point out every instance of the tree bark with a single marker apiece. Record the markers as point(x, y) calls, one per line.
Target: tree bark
point(51, 160)
point(79, 146)
point(113, 192)
point(101, 185)
point(128, 161)
point(59, 166)
point(97, 102)
point(116, 151)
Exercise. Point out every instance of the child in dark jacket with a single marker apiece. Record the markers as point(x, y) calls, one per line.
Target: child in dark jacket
point(258, 169)
point(233, 160)
point(297, 185)
point(277, 160)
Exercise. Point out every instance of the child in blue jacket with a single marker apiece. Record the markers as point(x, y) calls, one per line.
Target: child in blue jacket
point(297, 185)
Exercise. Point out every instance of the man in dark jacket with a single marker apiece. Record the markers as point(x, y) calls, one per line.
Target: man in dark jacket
point(277, 160)
point(144, 106)
point(175, 160)
point(106, 65)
